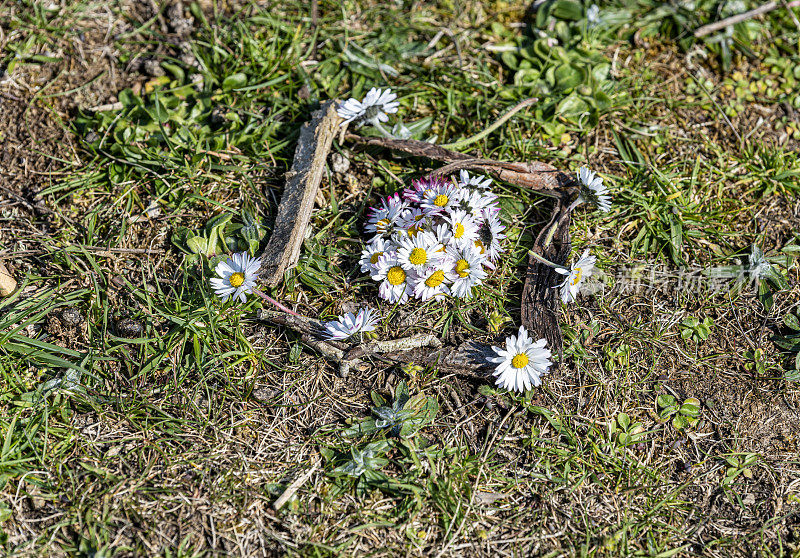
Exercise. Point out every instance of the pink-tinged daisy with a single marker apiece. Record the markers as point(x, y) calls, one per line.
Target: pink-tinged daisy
point(422, 186)
point(375, 107)
point(350, 324)
point(443, 196)
point(576, 274)
point(468, 269)
point(433, 282)
point(237, 277)
point(521, 365)
point(373, 252)
point(419, 252)
point(395, 282)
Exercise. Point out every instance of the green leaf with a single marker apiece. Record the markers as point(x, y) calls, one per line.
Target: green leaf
point(793, 375)
point(680, 422)
point(568, 77)
point(691, 407)
point(570, 10)
point(234, 81)
point(624, 420)
point(197, 244)
point(572, 106)
point(790, 320)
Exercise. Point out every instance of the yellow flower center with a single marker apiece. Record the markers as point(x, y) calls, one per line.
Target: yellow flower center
point(435, 279)
point(236, 279)
point(381, 225)
point(459, 232)
point(396, 275)
point(480, 246)
point(462, 268)
point(374, 258)
point(418, 256)
point(519, 361)
point(578, 275)
point(440, 200)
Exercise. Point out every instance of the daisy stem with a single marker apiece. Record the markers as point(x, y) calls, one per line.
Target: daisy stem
point(275, 303)
point(549, 238)
point(456, 145)
point(375, 122)
point(545, 261)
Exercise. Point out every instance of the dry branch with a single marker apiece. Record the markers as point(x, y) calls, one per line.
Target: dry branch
point(535, 176)
point(468, 359)
point(294, 212)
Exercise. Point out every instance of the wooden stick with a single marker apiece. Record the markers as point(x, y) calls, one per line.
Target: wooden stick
point(738, 18)
point(7, 282)
point(294, 211)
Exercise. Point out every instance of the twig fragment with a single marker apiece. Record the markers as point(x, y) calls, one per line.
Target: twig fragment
point(738, 18)
point(294, 487)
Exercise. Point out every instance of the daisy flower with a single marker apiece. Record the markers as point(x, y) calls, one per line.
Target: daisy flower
point(579, 271)
point(375, 107)
point(418, 252)
point(421, 187)
point(373, 252)
point(468, 269)
point(414, 220)
point(467, 181)
point(237, 277)
point(433, 281)
point(477, 202)
point(383, 220)
point(395, 282)
point(521, 365)
point(439, 197)
point(462, 226)
point(490, 234)
point(592, 190)
point(350, 324)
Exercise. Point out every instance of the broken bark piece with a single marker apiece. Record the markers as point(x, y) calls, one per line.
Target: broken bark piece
point(7, 282)
point(540, 300)
point(294, 211)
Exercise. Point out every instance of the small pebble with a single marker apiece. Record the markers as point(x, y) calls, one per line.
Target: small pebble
point(71, 316)
point(339, 163)
point(130, 328)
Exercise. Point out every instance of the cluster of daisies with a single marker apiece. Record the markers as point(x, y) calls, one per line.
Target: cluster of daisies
point(438, 238)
